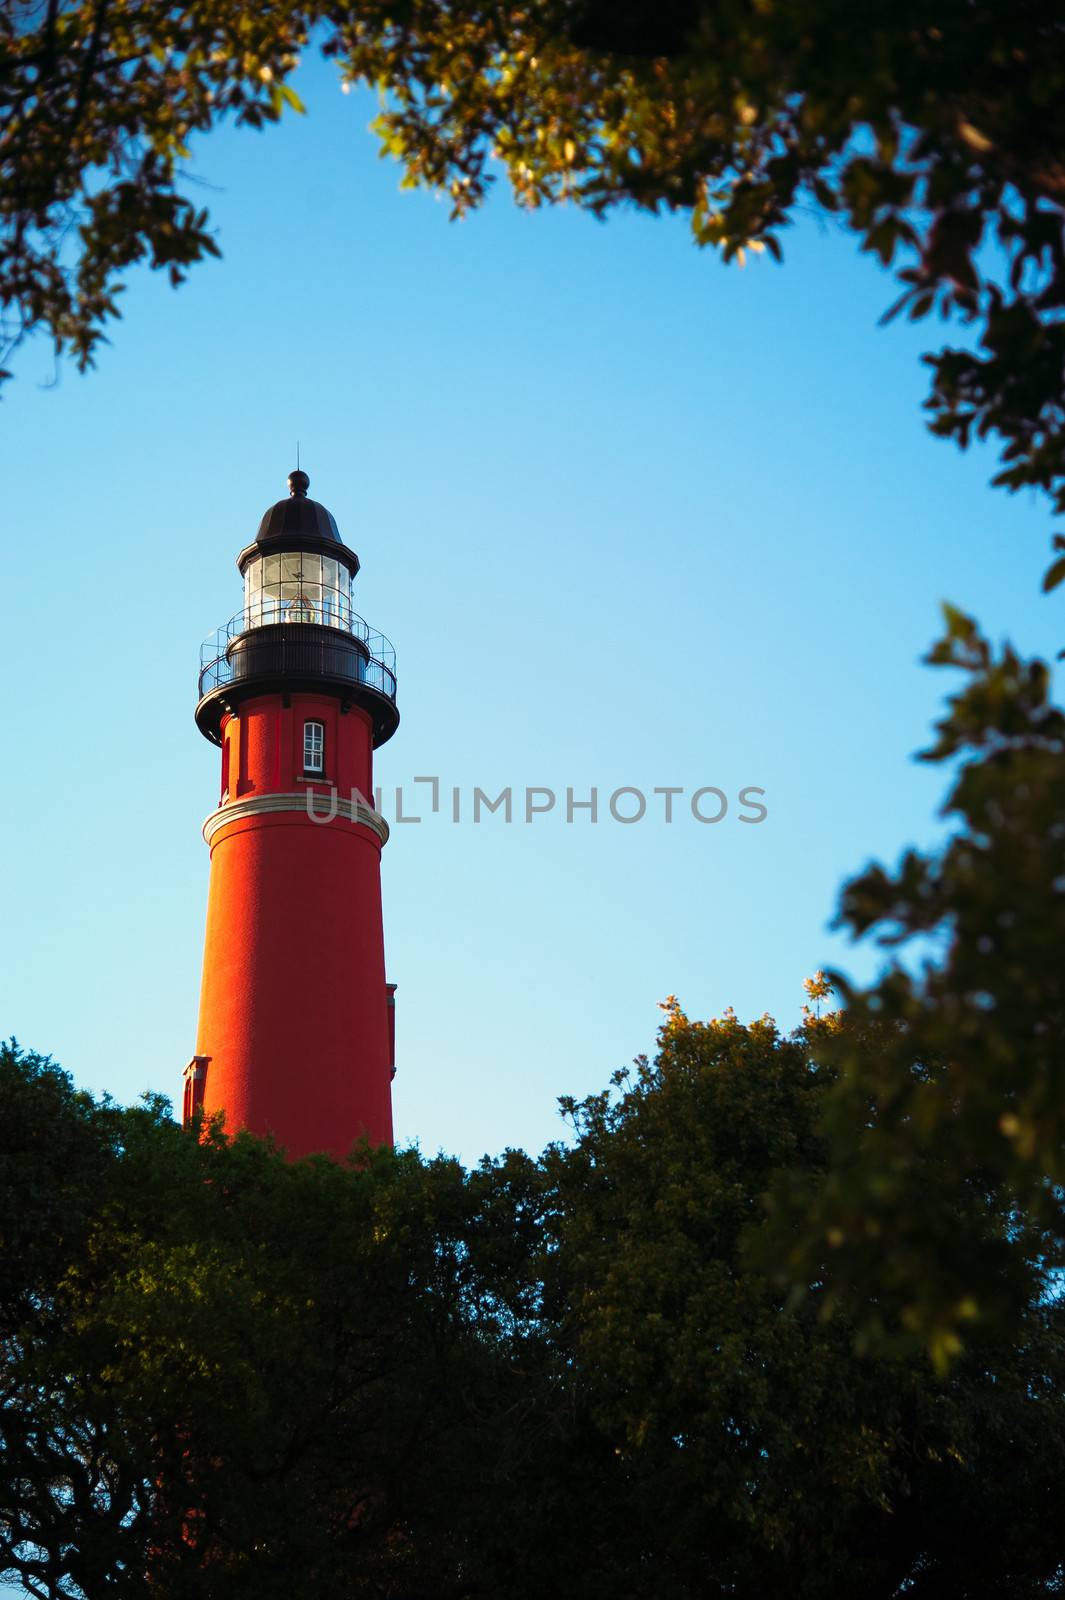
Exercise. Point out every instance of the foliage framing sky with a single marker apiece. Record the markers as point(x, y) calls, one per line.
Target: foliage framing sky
point(630, 518)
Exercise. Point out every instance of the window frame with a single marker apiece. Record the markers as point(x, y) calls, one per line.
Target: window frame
point(308, 747)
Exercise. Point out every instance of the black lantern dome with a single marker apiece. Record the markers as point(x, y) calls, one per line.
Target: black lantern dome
point(299, 523)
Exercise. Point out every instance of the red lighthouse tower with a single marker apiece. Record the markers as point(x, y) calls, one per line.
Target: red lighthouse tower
point(295, 1033)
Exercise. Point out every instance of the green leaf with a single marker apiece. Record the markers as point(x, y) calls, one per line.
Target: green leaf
point(1054, 575)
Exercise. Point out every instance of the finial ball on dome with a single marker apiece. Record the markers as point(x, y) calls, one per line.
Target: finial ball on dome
point(298, 483)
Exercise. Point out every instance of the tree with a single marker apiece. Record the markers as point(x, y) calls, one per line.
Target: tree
point(97, 103)
point(762, 1452)
point(935, 134)
point(225, 1375)
point(950, 1071)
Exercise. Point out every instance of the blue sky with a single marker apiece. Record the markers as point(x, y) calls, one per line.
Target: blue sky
point(629, 517)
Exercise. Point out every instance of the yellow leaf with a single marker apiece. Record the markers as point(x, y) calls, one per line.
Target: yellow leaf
point(973, 137)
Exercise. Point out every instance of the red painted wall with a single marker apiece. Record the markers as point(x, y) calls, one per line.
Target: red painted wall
point(293, 1010)
point(265, 744)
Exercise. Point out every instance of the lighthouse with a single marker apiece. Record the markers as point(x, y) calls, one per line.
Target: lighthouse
point(296, 1030)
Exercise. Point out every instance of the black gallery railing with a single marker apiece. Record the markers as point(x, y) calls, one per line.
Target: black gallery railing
point(345, 648)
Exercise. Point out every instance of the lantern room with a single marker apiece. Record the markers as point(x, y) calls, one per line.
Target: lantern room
point(297, 586)
point(297, 626)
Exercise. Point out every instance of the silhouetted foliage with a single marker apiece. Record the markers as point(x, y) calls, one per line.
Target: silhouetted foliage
point(225, 1375)
point(935, 132)
point(951, 1068)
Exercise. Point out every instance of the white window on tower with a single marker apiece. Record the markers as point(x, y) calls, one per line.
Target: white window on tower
point(314, 747)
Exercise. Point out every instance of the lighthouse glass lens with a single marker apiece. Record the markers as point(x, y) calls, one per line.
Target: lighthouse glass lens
point(301, 587)
point(270, 592)
point(331, 613)
point(253, 578)
point(297, 586)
